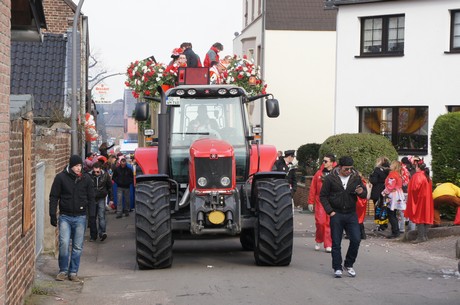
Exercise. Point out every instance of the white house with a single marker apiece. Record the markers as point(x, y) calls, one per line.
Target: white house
point(397, 69)
point(294, 43)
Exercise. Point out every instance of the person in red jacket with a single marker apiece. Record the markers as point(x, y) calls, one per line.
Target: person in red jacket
point(420, 208)
point(323, 230)
point(213, 54)
point(361, 207)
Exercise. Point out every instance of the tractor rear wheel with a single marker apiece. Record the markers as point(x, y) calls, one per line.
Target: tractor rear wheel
point(153, 225)
point(274, 224)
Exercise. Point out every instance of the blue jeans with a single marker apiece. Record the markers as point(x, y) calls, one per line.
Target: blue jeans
point(100, 214)
point(349, 223)
point(71, 228)
point(123, 192)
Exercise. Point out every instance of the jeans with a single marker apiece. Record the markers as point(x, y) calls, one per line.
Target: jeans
point(71, 228)
point(123, 192)
point(349, 222)
point(99, 215)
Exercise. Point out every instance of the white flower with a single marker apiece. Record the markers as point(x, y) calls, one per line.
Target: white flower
point(248, 74)
point(161, 70)
point(245, 69)
point(158, 79)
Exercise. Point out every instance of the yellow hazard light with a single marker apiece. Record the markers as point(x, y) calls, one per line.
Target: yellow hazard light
point(216, 217)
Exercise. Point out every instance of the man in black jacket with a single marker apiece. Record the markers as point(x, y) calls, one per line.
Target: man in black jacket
point(73, 191)
point(285, 165)
point(193, 61)
point(103, 188)
point(123, 177)
point(338, 196)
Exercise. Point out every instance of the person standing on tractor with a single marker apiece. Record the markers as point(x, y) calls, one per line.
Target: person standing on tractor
point(193, 60)
point(285, 165)
point(213, 54)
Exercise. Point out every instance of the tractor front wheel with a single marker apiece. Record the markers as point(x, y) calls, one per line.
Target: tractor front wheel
point(274, 225)
point(153, 225)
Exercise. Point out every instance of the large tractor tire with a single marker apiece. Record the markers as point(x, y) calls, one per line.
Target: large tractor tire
point(153, 225)
point(274, 224)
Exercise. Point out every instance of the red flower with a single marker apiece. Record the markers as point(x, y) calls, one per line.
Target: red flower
point(240, 76)
point(147, 93)
point(245, 57)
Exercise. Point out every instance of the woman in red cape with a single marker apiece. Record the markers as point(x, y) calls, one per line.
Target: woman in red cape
point(323, 229)
point(420, 208)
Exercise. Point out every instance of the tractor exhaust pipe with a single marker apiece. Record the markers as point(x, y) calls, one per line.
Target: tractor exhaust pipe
point(163, 133)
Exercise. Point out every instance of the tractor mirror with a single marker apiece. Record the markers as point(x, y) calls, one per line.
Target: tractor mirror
point(141, 112)
point(273, 108)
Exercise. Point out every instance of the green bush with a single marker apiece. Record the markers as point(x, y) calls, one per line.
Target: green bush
point(445, 149)
point(363, 148)
point(307, 155)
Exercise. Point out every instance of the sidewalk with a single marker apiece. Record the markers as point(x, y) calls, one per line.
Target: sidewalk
point(98, 260)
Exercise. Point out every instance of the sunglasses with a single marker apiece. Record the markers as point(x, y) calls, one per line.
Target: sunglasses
point(325, 161)
point(347, 169)
point(96, 172)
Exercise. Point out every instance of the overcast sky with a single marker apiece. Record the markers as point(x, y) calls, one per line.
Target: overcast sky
point(124, 31)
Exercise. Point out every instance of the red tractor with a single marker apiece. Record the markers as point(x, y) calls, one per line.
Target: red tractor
point(208, 176)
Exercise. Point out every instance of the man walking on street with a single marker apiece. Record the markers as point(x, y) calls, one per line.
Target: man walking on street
point(102, 188)
point(73, 191)
point(123, 177)
point(338, 196)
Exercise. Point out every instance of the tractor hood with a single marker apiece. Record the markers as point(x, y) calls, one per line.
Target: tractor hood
point(210, 148)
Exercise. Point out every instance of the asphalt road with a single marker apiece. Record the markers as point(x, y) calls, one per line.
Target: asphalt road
point(219, 272)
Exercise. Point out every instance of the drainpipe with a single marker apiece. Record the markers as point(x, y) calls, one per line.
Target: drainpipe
point(262, 64)
point(73, 129)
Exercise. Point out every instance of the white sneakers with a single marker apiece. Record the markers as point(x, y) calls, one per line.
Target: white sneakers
point(318, 247)
point(351, 272)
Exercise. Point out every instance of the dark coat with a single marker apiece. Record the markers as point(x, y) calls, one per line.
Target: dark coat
point(73, 194)
point(102, 185)
point(123, 176)
point(281, 166)
point(377, 179)
point(335, 198)
point(192, 58)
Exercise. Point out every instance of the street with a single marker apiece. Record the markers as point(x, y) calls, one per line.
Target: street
point(218, 271)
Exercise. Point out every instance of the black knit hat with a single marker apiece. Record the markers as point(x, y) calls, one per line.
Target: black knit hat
point(75, 160)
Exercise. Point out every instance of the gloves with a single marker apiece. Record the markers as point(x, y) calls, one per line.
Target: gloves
point(310, 207)
point(53, 220)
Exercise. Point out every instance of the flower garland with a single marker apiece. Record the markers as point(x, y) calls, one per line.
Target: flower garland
point(145, 76)
point(243, 73)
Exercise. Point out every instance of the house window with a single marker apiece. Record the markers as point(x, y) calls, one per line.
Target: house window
point(453, 108)
point(405, 127)
point(455, 31)
point(382, 35)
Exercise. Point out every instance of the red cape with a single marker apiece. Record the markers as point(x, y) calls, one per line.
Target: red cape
point(420, 207)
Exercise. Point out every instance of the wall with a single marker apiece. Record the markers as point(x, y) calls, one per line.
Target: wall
point(422, 77)
point(59, 16)
point(52, 147)
point(301, 76)
point(21, 244)
point(5, 68)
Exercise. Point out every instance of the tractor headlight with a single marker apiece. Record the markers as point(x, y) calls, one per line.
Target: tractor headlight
point(225, 181)
point(233, 91)
point(222, 91)
point(191, 91)
point(202, 181)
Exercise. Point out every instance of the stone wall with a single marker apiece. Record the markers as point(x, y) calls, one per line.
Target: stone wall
point(53, 148)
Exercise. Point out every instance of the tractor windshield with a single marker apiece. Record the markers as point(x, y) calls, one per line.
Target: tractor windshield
point(220, 118)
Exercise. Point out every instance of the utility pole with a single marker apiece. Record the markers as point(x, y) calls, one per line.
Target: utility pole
point(75, 44)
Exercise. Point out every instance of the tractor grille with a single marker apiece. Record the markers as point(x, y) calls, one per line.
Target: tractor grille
point(213, 170)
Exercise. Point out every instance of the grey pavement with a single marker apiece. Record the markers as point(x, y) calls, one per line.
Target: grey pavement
point(105, 265)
